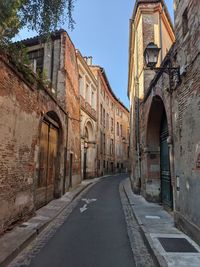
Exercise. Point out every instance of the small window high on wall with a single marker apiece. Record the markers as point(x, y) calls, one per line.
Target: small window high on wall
point(185, 22)
point(36, 58)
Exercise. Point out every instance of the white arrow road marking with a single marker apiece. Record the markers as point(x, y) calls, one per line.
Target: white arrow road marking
point(88, 201)
point(84, 208)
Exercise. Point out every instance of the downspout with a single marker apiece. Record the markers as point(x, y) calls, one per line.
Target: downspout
point(161, 41)
point(65, 153)
point(138, 184)
point(171, 139)
point(52, 62)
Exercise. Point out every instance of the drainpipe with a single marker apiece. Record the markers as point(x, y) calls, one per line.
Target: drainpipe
point(160, 28)
point(52, 61)
point(65, 152)
point(138, 182)
point(171, 141)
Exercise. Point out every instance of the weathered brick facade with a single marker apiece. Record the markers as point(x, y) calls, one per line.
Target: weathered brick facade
point(178, 106)
point(186, 114)
point(39, 128)
point(112, 128)
point(61, 70)
point(150, 23)
point(22, 109)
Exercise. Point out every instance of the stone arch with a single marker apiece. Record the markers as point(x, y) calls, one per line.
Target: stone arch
point(157, 154)
point(89, 151)
point(89, 130)
point(50, 144)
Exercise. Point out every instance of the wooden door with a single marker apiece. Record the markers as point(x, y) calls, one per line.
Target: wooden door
point(47, 164)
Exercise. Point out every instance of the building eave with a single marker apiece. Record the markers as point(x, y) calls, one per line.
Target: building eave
point(84, 63)
point(110, 89)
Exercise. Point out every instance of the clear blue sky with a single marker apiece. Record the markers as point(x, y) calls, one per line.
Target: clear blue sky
point(102, 31)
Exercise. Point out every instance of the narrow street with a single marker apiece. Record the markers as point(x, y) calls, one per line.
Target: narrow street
point(92, 237)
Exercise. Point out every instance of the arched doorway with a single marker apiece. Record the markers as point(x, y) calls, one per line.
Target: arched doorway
point(89, 156)
point(85, 153)
point(158, 180)
point(48, 159)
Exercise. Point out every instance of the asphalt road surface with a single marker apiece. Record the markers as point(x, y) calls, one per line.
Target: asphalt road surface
point(92, 237)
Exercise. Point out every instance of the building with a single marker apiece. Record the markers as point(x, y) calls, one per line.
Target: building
point(88, 87)
point(112, 128)
point(31, 120)
point(55, 60)
point(60, 123)
point(39, 128)
point(168, 127)
point(150, 23)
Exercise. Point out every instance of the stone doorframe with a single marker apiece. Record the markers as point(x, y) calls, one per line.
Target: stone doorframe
point(151, 184)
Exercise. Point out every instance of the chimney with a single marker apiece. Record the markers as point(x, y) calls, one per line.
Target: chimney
point(89, 61)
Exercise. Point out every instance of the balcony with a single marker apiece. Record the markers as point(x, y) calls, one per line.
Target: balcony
point(87, 108)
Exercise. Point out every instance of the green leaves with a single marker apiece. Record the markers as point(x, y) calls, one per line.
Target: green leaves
point(42, 16)
point(10, 21)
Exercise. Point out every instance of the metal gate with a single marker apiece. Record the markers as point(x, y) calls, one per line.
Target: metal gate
point(47, 163)
point(166, 187)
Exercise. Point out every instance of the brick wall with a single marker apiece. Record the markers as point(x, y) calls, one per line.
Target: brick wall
point(186, 118)
point(72, 107)
point(183, 111)
point(22, 109)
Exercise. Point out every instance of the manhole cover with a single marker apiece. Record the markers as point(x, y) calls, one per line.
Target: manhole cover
point(177, 245)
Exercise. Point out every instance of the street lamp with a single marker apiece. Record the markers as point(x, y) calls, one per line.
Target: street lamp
point(151, 54)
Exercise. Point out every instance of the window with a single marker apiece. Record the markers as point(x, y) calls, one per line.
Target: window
point(107, 121)
point(185, 22)
point(104, 117)
point(111, 147)
point(104, 143)
point(112, 125)
point(107, 146)
point(101, 142)
point(107, 100)
point(121, 129)
point(87, 95)
point(118, 128)
point(101, 114)
point(36, 58)
point(81, 89)
point(104, 164)
point(92, 99)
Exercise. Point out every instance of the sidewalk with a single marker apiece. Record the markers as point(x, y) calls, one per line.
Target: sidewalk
point(12, 243)
point(169, 245)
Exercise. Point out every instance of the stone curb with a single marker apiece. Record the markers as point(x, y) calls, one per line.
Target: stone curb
point(9, 251)
point(146, 236)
